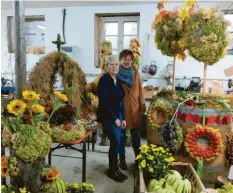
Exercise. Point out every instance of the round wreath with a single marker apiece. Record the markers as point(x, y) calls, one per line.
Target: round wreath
point(215, 146)
point(43, 76)
point(159, 112)
point(171, 136)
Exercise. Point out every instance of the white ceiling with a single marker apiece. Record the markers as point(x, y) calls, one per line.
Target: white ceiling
point(8, 4)
point(60, 3)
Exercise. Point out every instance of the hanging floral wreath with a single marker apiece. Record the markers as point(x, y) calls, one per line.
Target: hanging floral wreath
point(215, 142)
point(159, 112)
point(171, 136)
point(106, 50)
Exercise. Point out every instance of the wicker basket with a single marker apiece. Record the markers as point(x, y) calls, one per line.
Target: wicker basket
point(184, 169)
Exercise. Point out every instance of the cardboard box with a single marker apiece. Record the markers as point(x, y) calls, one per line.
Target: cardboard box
point(229, 71)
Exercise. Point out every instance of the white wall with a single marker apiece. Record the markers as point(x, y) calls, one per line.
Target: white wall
point(80, 33)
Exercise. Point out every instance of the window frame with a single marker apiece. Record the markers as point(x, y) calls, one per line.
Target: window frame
point(120, 20)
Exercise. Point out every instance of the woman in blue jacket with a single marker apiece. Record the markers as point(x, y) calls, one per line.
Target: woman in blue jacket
point(111, 115)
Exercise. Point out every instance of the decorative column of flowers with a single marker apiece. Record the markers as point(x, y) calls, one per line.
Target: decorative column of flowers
point(169, 31)
point(105, 50)
point(28, 136)
point(135, 48)
point(207, 37)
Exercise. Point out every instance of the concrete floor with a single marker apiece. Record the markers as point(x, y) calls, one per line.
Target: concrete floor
point(97, 163)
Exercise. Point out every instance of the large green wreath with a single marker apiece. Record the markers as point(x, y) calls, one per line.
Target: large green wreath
point(207, 36)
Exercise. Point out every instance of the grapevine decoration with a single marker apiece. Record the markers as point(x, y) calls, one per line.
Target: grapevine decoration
point(159, 112)
point(169, 27)
point(207, 37)
point(135, 48)
point(213, 150)
point(230, 147)
point(171, 136)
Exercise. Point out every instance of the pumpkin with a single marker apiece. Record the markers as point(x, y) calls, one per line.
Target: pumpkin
point(178, 183)
point(159, 186)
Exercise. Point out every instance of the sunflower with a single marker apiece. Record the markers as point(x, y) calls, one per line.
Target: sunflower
point(30, 95)
point(53, 174)
point(16, 107)
point(60, 96)
point(37, 108)
point(4, 171)
point(3, 160)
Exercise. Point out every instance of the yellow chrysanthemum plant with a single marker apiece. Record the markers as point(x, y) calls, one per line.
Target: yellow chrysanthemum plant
point(156, 160)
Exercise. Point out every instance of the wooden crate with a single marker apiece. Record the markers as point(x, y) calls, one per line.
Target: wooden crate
point(184, 169)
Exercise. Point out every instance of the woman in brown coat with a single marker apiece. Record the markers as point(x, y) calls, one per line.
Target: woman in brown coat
point(134, 102)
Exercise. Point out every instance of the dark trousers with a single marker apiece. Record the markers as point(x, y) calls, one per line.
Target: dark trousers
point(136, 140)
point(116, 137)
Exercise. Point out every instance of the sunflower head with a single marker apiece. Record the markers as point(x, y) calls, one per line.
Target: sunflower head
point(4, 171)
point(61, 96)
point(3, 160)
point(37, 108)
point(30, 95)
point(16, 107)
point(53, 174)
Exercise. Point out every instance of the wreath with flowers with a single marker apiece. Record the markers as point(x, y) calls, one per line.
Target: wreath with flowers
point(159, 112)
point(135, 48)
point(215, 142)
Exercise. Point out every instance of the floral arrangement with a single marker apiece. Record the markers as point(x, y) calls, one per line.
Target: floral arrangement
point(68, 132)
point(135, 48)
point(169, 27)
point(156, 160)
point(9, 166)
point(158, 113)
point(230, 147)
point(27, 132)
point(51, 180)
point(207, 36)
point(9, 189)
point(106, 50)
point(80, 188)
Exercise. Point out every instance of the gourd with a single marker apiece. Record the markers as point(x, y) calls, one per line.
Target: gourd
point(159, 186)
point(57, 186)
point(178, 183)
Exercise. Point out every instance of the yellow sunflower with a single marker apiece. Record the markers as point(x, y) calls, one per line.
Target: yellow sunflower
point(37, 108)
point(60, 96)
point(30, 95)
point(16, 107)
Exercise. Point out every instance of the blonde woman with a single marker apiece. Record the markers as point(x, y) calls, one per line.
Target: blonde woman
point(111, 115)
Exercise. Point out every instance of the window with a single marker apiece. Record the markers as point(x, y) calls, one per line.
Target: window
point(228, 15)
point(34, 28)
point(120, 30)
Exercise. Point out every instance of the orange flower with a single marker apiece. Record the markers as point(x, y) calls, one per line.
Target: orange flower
point(3, 160)
point(53, 174)
point(4, 171)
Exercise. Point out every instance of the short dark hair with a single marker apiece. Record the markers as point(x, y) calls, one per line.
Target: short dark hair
point(125, 53)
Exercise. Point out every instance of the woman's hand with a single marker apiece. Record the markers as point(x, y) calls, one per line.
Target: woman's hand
point(118, 123)
point(124, 124)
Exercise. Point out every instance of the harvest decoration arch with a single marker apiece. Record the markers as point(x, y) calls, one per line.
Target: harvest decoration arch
point(43, 77)
point(214, 148)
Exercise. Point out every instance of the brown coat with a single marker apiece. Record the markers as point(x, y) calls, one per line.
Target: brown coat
point(134, 102)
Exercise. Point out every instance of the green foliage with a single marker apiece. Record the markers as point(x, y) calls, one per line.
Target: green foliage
point(33, 143)
point(80, 188)
point(206, 35)
point(228, 188)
